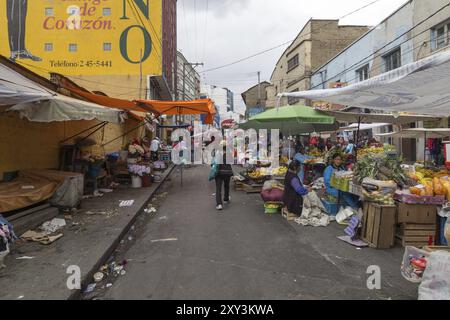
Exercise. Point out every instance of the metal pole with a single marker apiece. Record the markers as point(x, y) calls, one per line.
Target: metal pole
point(357, 139)
point(425, 148)
point(259, 88)
point(140, 75)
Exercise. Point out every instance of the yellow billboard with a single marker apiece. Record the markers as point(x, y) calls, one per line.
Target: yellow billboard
point(83, 37)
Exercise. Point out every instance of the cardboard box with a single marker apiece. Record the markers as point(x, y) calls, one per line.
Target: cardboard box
point(379, 225)
point(417, 213)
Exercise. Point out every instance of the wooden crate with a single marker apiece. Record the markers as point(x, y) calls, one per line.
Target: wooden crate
point(416, 235)
point(287, 215)
point(253, 188)
point(379, 225)
point(239, 186)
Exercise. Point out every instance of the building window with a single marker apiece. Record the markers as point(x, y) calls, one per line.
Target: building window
point(363, 73)
point(48, 47)
point(73, 47)
point(293, 63)
point(293, 100)
point(106, 12)
point(440, 36)
point(393, 60)
point(107, 46)
point(49, 12)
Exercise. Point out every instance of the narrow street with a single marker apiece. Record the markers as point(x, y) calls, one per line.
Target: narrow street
point(241, 253)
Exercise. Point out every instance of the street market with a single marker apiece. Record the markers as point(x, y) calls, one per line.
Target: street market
point(130, 171)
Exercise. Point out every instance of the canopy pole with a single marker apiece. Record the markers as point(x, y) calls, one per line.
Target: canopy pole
point(123, 135)
point(357, 139)
point(425, 148)
point(80, 133)
point(90, 134)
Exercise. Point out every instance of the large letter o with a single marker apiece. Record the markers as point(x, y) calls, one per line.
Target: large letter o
point(124, 45)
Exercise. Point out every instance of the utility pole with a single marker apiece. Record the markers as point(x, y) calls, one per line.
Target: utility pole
point(259, 88)
point(140, 75)
point(184, 75)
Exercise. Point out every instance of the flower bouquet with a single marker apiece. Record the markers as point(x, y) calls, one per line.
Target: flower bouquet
point(95, 164)
point(139, 170)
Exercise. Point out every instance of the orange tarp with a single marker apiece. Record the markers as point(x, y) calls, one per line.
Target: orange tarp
point(108, 101)
point(173, 108)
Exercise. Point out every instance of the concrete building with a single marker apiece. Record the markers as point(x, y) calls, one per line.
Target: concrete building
point(317, 42)
point(255, 99)
point(409, 34)
point(220, 96)
point(122, 48)
point(188, 80)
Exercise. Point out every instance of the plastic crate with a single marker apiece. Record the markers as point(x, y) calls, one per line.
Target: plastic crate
point(331, 208)
point(414, 199)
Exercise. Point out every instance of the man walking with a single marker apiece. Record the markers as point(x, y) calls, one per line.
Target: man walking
point(17, 17)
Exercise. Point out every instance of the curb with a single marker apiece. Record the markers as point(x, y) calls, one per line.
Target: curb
point(76, 295)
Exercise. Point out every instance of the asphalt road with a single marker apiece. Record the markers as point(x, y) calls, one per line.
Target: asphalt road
point(242, 253)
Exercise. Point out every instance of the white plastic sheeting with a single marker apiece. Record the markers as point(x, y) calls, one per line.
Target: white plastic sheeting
point(62, 108)
point(420, 87)
point(39, 104)
point(417, 133)
point(15, 88)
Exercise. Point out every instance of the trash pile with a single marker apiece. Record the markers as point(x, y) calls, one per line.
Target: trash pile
point(107, 271)
point(49, 232)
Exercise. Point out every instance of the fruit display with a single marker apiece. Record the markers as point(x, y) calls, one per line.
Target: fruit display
point(376, 149)
point(382, 167)
point(272, 207)
point(315, 153)
point(381, 192)
point(430, 182)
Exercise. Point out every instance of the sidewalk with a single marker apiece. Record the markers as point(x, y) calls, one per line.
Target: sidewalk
point(87, 245)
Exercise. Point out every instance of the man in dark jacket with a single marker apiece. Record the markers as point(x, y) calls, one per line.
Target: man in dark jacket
point(223, 177)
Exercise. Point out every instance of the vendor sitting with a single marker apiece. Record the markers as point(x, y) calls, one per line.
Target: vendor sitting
point(294, 189)
point(335, 195)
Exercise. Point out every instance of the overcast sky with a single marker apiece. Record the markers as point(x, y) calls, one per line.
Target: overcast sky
point(217, 32)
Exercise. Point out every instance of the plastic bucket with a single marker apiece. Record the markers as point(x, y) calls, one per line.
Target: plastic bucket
point(94, 170)
point(136, 182)
point(146, 181)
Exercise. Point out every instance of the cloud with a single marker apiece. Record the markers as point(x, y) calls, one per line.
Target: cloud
point(238, 28)
point(219, 8)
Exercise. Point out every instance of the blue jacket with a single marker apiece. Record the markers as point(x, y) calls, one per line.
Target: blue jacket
point(327, 177)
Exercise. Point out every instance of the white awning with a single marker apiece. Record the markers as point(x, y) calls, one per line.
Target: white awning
point(15, 88)
point(62, 108)
point(420, 87)
point(39, 104)
point(417, 133)
point(363, 127)
point(398, 118)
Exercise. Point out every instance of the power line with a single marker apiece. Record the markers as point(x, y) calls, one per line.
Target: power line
point(288, 42)
point(138, 17)
point(73, 77)
point(206, 30)
point(374, 54)
point(195, 30)
point(185, 28)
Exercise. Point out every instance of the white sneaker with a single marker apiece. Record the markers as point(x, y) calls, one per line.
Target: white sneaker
point(229, 200)
point(219, 207)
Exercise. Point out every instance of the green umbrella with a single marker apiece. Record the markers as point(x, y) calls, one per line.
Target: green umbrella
point(291, 120)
